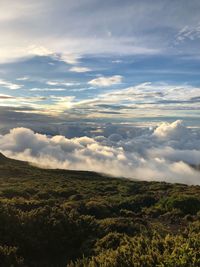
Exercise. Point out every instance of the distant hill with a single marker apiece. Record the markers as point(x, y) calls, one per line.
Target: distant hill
point(76, 218)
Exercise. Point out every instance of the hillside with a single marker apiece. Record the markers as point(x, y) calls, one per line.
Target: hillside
point(74, 218)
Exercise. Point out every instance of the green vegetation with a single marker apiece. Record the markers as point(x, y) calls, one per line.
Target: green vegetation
point(82, 219)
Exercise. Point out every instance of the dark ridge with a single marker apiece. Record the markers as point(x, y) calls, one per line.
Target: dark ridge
point(3, 158)
point(6, 160)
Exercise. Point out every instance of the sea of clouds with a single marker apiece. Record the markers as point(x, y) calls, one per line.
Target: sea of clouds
point(162, 153)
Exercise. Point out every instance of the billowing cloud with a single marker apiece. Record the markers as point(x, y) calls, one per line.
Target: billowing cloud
point(173, 131)
point(164, 153)
point(106, 81)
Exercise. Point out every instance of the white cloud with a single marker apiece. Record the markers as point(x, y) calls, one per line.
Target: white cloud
point(106, 81)
point(154, 92)
point(61, 83)
point(146, 99)
point(71, 58)
point(10, 85)
point(39, 51)
point(188, 32)
point(3, 97)
point(80, 69)
point(173, 130)
point(162, 154)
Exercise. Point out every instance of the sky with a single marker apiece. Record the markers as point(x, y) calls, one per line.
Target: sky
point(93, 68)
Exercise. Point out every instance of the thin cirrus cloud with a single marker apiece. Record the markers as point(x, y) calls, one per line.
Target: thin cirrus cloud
point(106, 81)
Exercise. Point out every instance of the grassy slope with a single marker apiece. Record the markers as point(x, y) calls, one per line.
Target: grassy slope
point(50, 217)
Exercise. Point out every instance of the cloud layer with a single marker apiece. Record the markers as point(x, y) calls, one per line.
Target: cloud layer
point(164, 153)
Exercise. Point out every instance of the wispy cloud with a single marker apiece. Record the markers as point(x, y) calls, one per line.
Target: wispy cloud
point(39, 51)
point(188, 33)
point(69, 58)
point(61, 83)
point(24, 78)
point(47, 89)
point(3, 96)
point(106, 81)
point(146, 99)
point(156, 93)
point(10, 85)
point(80, 69)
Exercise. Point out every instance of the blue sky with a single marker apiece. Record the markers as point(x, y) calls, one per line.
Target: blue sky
point(106, 61)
